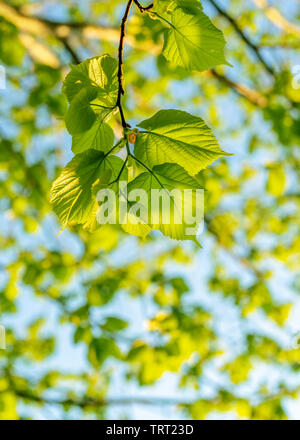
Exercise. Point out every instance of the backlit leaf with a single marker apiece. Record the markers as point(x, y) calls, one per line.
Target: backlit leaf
point(98, 74)
point(72, 193)
point(169, 218)
point(175, 136)
point(192, 41)
point(99, 137)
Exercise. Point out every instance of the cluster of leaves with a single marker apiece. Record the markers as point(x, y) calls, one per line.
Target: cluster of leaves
point(170, 148)
point(84, 312)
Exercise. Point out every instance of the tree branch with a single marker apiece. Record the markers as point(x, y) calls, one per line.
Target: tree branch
point(39, 51)
point(255, 49)
point(246, 92)
point(124, 401)
point(85, 403)
point(70, 49)
point(42, 27)
point(120, 69)
point(143, 8)
point(275, 17)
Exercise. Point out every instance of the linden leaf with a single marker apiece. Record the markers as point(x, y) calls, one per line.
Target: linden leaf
point(98, 74)
point(192, 41)
point(99, 137)
point(175, 136)
point(168, 207)
point(72, 193)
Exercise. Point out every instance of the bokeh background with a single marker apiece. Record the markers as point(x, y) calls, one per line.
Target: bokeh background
point(106, 325)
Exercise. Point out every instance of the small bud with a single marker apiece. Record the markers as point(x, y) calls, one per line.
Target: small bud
point(132, 137)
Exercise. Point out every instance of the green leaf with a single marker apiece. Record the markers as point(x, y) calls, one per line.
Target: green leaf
point(113, 324)
point(161, 6)
point(99, 137)
point(80, 116)
point(102, 348)
point(140, 229)
point(12, 51)
point(98, 74)
point(175, 136)
point(192, 41)
point(166, 178)
point(165, 7)
point(72, 193)
point(92, 89)
point(127, 220)
point(276, 182)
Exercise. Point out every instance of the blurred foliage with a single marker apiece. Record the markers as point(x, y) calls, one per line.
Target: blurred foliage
point(140, 313)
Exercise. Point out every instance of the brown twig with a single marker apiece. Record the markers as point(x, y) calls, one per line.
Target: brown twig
point(252, 95)
point(70, 49)
point(38, 26)
point(143, 8)
point(120, 69)
point(275, 17)
point(85, 403)
point(139, 400)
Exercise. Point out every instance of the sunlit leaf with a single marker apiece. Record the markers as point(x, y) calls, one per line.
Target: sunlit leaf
point(98, 74)
point(170, 217)
point(99, 137)
point(192, 41)
point(72, 193)
point(177, 137)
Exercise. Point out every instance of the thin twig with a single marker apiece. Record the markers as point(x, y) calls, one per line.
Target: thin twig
point(139, 400)
point(147, 168)
point(85, 403)
point(120, 173)
point(275, 17)
point(143, 8)
point(252, 95)
point(120, 69)
point(42, 26)
point(255, 49)
point(70, 49)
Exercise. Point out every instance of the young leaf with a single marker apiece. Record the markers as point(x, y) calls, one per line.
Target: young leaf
point(91, 88)
point(72, 193)
point(175, 136)
point(169, 219)
point(139, 229)
point(163, 7)
point(114, 324)
point(98, 74)
point(80, 116)
point(102, 348)
point(99, 137)
point(192, 41)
